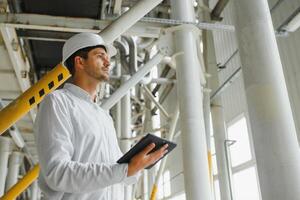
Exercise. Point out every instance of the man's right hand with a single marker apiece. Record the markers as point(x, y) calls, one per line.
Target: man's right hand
point(144, 159)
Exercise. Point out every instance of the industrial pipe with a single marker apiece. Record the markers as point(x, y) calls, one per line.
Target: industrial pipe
point(117, 95)
point(163, 162)
point(190, 97)
point(118, 27)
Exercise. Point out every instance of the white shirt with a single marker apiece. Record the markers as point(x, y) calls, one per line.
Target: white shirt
point(78, 148)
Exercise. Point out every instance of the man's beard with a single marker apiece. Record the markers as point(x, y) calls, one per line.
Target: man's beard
point(100, 77)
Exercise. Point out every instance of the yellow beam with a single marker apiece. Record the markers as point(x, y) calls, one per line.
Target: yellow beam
point(23, 184)
point(154, 192)
point(33, 96)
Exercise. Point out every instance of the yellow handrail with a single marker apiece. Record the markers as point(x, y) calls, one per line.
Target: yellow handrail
point(23, 184)
point(31, 97)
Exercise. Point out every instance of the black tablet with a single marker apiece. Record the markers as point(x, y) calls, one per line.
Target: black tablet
point(145, 141)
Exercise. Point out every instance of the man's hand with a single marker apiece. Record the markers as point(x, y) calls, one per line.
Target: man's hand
point(144, 159)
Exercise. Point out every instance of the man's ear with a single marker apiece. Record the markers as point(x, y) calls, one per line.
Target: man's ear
point(78, 62)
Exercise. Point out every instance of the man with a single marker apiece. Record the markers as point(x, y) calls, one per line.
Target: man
point(76, 140)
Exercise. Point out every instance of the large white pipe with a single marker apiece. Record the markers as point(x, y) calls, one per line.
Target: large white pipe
point(126, 130)
point(137, 77)
point(272, 124)
point(15, 161)
point(6, 145)
point(196, 172)
point(35, 192)
point(218, 121)
point(128, 19)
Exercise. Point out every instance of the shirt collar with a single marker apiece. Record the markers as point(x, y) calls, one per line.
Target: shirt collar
point(77, 91)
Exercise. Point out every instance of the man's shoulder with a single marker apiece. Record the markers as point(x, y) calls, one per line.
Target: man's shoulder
point(57, 95)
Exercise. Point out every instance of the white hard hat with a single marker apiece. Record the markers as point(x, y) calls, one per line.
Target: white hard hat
point(83, 40)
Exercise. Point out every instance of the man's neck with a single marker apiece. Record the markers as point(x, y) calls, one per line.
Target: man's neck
point(89, 86)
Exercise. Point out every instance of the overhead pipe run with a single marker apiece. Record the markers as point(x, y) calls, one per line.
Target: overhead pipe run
point(137, 77)
point(128, 19)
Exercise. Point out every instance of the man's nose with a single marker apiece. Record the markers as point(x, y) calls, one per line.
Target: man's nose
point(106, 61)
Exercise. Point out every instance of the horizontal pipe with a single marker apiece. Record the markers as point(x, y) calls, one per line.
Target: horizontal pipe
point(137, 77)
point(128, 19)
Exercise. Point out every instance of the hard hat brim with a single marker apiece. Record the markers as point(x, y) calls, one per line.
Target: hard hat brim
point(111, 50)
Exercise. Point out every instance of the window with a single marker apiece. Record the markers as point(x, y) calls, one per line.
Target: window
point(164, 185)
point(179, 197)
point(244, 180)
point(240, 151)
point(245, 184)
point(217, 190)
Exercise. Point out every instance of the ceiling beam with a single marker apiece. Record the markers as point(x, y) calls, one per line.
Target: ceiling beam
point(72, 24)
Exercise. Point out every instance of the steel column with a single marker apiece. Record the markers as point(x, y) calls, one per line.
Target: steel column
point(272, 124)
point(196, 172)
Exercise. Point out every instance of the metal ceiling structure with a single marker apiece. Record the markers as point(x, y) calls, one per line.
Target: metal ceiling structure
point(166, 70)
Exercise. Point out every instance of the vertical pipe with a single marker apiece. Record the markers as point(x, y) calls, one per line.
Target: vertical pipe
point(5, 151)
point(272, 124)
point(126, 129)
point(34, 191)
point(14, 163)
point(118, 72)
point(148, 125)
point(145, 186)
point(206, 114)
point(217, 116)
point(163, 162)
point(196, 172)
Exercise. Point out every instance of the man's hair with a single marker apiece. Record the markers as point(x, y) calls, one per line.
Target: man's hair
point(83, 53)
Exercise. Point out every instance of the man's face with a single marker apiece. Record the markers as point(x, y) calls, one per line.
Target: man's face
point(97, 64)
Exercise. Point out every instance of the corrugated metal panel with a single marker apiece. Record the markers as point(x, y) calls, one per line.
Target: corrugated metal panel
point(233, 97)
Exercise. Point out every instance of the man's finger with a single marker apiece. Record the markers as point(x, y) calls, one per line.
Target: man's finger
point(149, 148)
point(159, 153)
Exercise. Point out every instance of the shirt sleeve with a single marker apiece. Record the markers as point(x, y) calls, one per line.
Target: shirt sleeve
point(54, 135)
